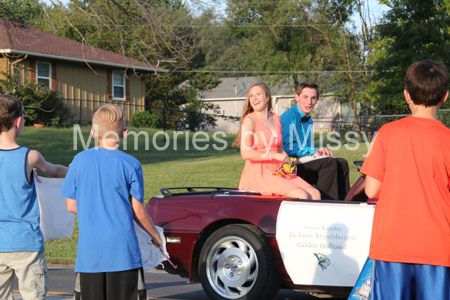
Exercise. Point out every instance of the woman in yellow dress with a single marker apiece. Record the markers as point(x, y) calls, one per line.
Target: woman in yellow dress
point(260, 141)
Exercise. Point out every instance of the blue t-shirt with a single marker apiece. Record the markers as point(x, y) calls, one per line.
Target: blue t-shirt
point(19, 208)
point(101, 180)
point(298, 137)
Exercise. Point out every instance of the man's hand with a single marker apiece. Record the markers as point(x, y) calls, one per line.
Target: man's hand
point(323, 152)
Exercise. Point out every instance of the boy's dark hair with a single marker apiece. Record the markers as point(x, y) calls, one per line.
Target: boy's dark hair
point(10, 109)
point(426, 82)
point(310, 85)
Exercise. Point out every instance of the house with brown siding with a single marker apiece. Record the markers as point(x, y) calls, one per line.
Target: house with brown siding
point(230, 96)
point(84, 76)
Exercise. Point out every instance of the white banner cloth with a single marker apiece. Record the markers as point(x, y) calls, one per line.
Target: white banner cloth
point(56, 221)
point(150, 255)
point(324, 243)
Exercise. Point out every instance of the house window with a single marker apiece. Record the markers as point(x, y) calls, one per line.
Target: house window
point(43, 74)
point(219, 112)
point(18, 74)
point(118, 85)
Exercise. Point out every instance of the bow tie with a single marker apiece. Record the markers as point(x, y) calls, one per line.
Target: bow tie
point(305, 119)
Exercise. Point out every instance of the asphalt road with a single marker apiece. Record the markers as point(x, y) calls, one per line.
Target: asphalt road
point(160, 285)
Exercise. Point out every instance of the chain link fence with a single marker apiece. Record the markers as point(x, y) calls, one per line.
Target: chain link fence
point(367, 124)
point(161, 117)
point(178, 119)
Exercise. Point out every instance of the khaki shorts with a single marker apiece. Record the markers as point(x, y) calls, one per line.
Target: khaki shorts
point(31, 271)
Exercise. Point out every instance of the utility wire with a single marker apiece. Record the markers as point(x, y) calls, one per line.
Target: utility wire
point(271, 72)
point(214, 26)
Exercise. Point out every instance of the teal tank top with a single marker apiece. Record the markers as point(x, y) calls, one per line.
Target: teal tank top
point(19, 208)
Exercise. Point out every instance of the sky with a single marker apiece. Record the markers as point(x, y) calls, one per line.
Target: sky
point(376, 10)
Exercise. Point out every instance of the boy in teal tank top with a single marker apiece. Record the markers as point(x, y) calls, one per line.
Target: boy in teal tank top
point(21, 239)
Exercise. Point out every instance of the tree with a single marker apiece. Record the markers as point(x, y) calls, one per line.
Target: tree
point(41, 105)
point(169, 95)
point(196, 118)
point(356, 49)
point(216, 49)
point(146, 30)
point(412, 30)
point(22, 11)
point(287, 37)
point(198, 84)
point(163, 98)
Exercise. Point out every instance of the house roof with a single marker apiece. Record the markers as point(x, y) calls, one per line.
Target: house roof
point(22, 39)
point(239, 87)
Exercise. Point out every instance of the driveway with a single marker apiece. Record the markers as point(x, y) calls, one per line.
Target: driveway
point(160, 286)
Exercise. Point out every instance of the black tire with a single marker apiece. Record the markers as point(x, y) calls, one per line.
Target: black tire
point(236, 262)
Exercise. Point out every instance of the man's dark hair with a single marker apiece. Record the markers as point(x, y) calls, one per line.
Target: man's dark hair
point(426, 82)
point(10, 109)
point(310, 85)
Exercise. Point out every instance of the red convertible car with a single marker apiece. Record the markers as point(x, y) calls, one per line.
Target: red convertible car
point(226, 239)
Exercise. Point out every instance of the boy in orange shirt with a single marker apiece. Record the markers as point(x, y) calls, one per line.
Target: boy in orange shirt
point(408, 171)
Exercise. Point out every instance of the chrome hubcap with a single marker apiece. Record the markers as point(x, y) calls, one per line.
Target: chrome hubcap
point(232, 267)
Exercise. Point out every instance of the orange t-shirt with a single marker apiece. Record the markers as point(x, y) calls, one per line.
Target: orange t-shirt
point(411, 157)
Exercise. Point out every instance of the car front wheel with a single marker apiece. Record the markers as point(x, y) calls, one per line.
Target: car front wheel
point(236, 262)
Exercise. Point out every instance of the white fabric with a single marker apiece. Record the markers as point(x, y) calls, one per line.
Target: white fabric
point(150, 255)
point(56, 221)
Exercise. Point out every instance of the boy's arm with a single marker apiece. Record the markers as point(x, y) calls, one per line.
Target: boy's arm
point(36, 160)
point(374, 166)
point(71, 205)
point(373, 187)
point(145, 222)
point(290, 144)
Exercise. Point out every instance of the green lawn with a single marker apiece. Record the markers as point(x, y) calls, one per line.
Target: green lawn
point(162, 168)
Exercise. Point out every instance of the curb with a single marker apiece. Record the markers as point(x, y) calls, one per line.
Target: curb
point(18, 297)
point(50, 296)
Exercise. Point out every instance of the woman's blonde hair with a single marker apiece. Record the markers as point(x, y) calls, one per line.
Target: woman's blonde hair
point(249, 109)
point(108, 117)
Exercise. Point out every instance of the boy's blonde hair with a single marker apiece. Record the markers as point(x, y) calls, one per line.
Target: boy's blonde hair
point(108, 117)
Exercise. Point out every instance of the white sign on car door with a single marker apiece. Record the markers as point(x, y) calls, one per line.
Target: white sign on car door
point(324, 243)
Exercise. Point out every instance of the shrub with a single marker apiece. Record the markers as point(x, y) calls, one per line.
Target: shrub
point(42, 106)
point(143, 118)
point(193, 117)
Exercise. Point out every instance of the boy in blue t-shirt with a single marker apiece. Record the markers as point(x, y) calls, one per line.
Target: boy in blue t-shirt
point(21, 239)
point(105, 188)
